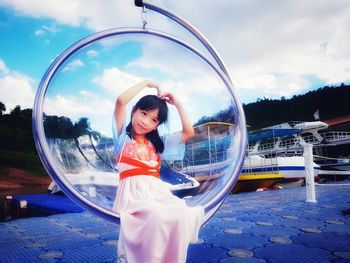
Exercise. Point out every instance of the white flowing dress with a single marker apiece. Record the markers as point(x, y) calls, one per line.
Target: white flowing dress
point(155, 225)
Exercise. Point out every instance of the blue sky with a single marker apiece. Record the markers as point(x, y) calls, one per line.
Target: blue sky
point(272, 49)
point(28, 45)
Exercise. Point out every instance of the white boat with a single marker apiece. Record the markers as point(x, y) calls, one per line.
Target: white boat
point(287, 167)
point(287, 139)
point(259, 171)
point(275, 153)
point(276, 172)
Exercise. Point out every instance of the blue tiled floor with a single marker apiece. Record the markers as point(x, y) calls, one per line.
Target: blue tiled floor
point(271, 226)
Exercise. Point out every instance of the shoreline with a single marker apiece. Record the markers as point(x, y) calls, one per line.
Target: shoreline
point(15, 181)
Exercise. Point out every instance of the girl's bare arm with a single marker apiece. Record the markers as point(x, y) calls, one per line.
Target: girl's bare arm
point(187, 129)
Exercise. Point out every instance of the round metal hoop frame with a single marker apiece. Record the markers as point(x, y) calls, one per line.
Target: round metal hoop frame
point(220, 69)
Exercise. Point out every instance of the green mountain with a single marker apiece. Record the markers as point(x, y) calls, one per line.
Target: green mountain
point(330, 102)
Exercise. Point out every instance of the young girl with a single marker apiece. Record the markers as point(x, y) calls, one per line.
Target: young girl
point(155, 225)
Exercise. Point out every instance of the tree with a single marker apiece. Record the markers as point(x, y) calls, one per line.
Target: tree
point(15, 116)
point(82, 127)
point(2, 108)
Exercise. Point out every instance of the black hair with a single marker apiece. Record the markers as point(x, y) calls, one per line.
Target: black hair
point(147, 103)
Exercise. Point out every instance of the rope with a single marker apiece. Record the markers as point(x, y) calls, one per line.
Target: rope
point(330, 158)
point(332, 184)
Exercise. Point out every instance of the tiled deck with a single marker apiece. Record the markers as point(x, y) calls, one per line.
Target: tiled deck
point(271, 226)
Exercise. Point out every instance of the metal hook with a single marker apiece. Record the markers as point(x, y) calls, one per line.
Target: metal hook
point(144, 17)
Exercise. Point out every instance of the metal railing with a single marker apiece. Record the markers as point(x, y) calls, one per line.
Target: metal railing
point(295, 143)
point(265, 165)
point(335, 136)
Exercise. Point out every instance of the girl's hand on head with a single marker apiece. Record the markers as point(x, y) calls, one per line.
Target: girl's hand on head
point(170, 98)
point(151, 84)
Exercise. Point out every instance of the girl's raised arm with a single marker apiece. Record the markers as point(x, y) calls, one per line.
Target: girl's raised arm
point(187, 129)
point(126, 96)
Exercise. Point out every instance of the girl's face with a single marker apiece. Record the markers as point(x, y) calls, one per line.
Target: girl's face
point(144, 121)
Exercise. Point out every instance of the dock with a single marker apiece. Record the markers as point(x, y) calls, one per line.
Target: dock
point(269, 226)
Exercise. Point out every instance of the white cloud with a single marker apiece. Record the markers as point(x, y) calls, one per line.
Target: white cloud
point(3, 68)
point(115, 81)
point(52, 29)
point(284, 40)
point(98, 110)
point(46, 31)
point(274, 44)
point(271, 86)
point(78, 106)
point(76, 63)
point(92, 53)
point(15, 89)
point(39, 32)
point(93, 14)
